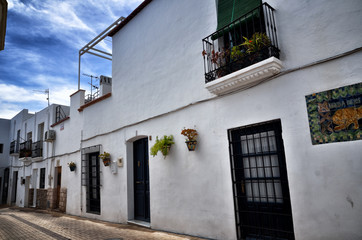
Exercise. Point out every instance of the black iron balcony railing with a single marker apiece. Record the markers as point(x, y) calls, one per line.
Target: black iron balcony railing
point(14, 147)
point(37, 149)
point(25, 149)
point(247, 40)
point(59, 113)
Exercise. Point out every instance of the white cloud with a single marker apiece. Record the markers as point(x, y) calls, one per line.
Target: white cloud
point(73, 22)
point(15, 98)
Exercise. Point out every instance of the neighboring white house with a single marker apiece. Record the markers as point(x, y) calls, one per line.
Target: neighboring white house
point(279, 150)
point(4, 159)
point(31, 152)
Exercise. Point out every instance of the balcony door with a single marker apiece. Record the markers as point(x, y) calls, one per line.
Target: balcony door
point(260, 183)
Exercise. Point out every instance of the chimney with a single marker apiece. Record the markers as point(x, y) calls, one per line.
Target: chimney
point(105, 85)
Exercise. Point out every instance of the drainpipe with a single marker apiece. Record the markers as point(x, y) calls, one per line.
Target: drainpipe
point(81, 190)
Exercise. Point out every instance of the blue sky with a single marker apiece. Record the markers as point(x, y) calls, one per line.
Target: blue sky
point(42, 41)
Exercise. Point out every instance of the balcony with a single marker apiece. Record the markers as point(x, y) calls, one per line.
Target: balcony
point(37, 149)
point(14, 148)
point(25, 149)
point(242, 53)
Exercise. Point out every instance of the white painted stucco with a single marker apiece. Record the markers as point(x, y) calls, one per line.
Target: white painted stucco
point(158, 88)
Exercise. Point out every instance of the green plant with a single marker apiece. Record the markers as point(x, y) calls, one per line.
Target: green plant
point(237, 52)
point(163, 145)
point(257, 42)
point(105, 155)
point(189, 133)
point(71, 164)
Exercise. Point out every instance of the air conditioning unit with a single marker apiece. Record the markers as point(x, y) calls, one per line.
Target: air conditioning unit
point(50, 136)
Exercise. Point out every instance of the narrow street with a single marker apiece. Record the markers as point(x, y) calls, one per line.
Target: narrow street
point(25, 223)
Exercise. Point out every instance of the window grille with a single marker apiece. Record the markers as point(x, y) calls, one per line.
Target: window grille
point(260, 183)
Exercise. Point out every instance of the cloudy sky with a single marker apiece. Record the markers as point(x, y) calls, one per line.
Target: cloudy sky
point(42, 41)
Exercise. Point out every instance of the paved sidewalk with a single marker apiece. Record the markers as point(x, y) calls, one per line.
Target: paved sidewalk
point(25, 223)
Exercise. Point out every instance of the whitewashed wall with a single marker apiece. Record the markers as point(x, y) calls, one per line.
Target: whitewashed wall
point(158, 68)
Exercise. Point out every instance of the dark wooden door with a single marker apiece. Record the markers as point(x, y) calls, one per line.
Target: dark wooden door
point(15, 187)
point(5, 186)
point(58, 185)
point(93, 190)
point(141, 180)
point(260, 183)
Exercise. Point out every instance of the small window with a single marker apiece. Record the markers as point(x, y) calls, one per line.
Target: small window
point(42, 178)
point(1, 147)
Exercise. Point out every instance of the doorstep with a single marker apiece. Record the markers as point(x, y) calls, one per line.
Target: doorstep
point(139, 223)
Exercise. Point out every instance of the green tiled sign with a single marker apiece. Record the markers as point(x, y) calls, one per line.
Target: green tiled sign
point(335, 115)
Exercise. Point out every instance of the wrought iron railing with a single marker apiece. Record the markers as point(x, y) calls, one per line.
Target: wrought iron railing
point(25, 149)
point(91, 97)
point(59, 113)
point(228, 50)
point(37, 149)
point(14, 147)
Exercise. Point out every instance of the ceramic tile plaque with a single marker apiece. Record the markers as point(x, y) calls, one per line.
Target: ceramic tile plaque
point(335, 115)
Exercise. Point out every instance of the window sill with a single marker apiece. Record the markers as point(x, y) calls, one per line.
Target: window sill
point(25, 159)
point(246, 77)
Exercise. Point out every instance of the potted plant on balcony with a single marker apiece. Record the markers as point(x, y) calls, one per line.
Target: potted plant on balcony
point(218, 59)
point(72, 166)
point(163, 145)
point(255, 46)
point(191, 135)
point(106, 157)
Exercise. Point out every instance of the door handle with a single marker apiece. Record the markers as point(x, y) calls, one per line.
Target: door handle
point(138, 182)
point(243, 187)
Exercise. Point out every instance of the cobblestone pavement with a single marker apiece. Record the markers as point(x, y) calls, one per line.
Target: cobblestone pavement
point(24, 223)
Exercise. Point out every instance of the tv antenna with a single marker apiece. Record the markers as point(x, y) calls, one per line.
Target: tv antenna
point(46, 91)
point(91, 83)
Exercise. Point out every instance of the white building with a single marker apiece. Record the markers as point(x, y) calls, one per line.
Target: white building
point(31, 156)
point(279, 148)
point(4, 159)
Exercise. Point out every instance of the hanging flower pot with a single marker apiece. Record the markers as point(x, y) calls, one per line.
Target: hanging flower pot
point(107, 161)
point(163, 145)
point(72, 166)
point(191, 145)
point(191, 135)
point(106, 157)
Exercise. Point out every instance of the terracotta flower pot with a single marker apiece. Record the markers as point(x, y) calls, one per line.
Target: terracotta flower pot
point(191, 145)
point(107, 161)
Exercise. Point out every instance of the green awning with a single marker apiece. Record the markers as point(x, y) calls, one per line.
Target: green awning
point(229, 10)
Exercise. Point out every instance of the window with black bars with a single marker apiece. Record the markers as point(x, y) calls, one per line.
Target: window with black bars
point(260, 183)
point(85, 159)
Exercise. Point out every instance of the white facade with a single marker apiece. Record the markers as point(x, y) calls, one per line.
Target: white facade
point(4, 156)
point(30, 154)
point(158, 88)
